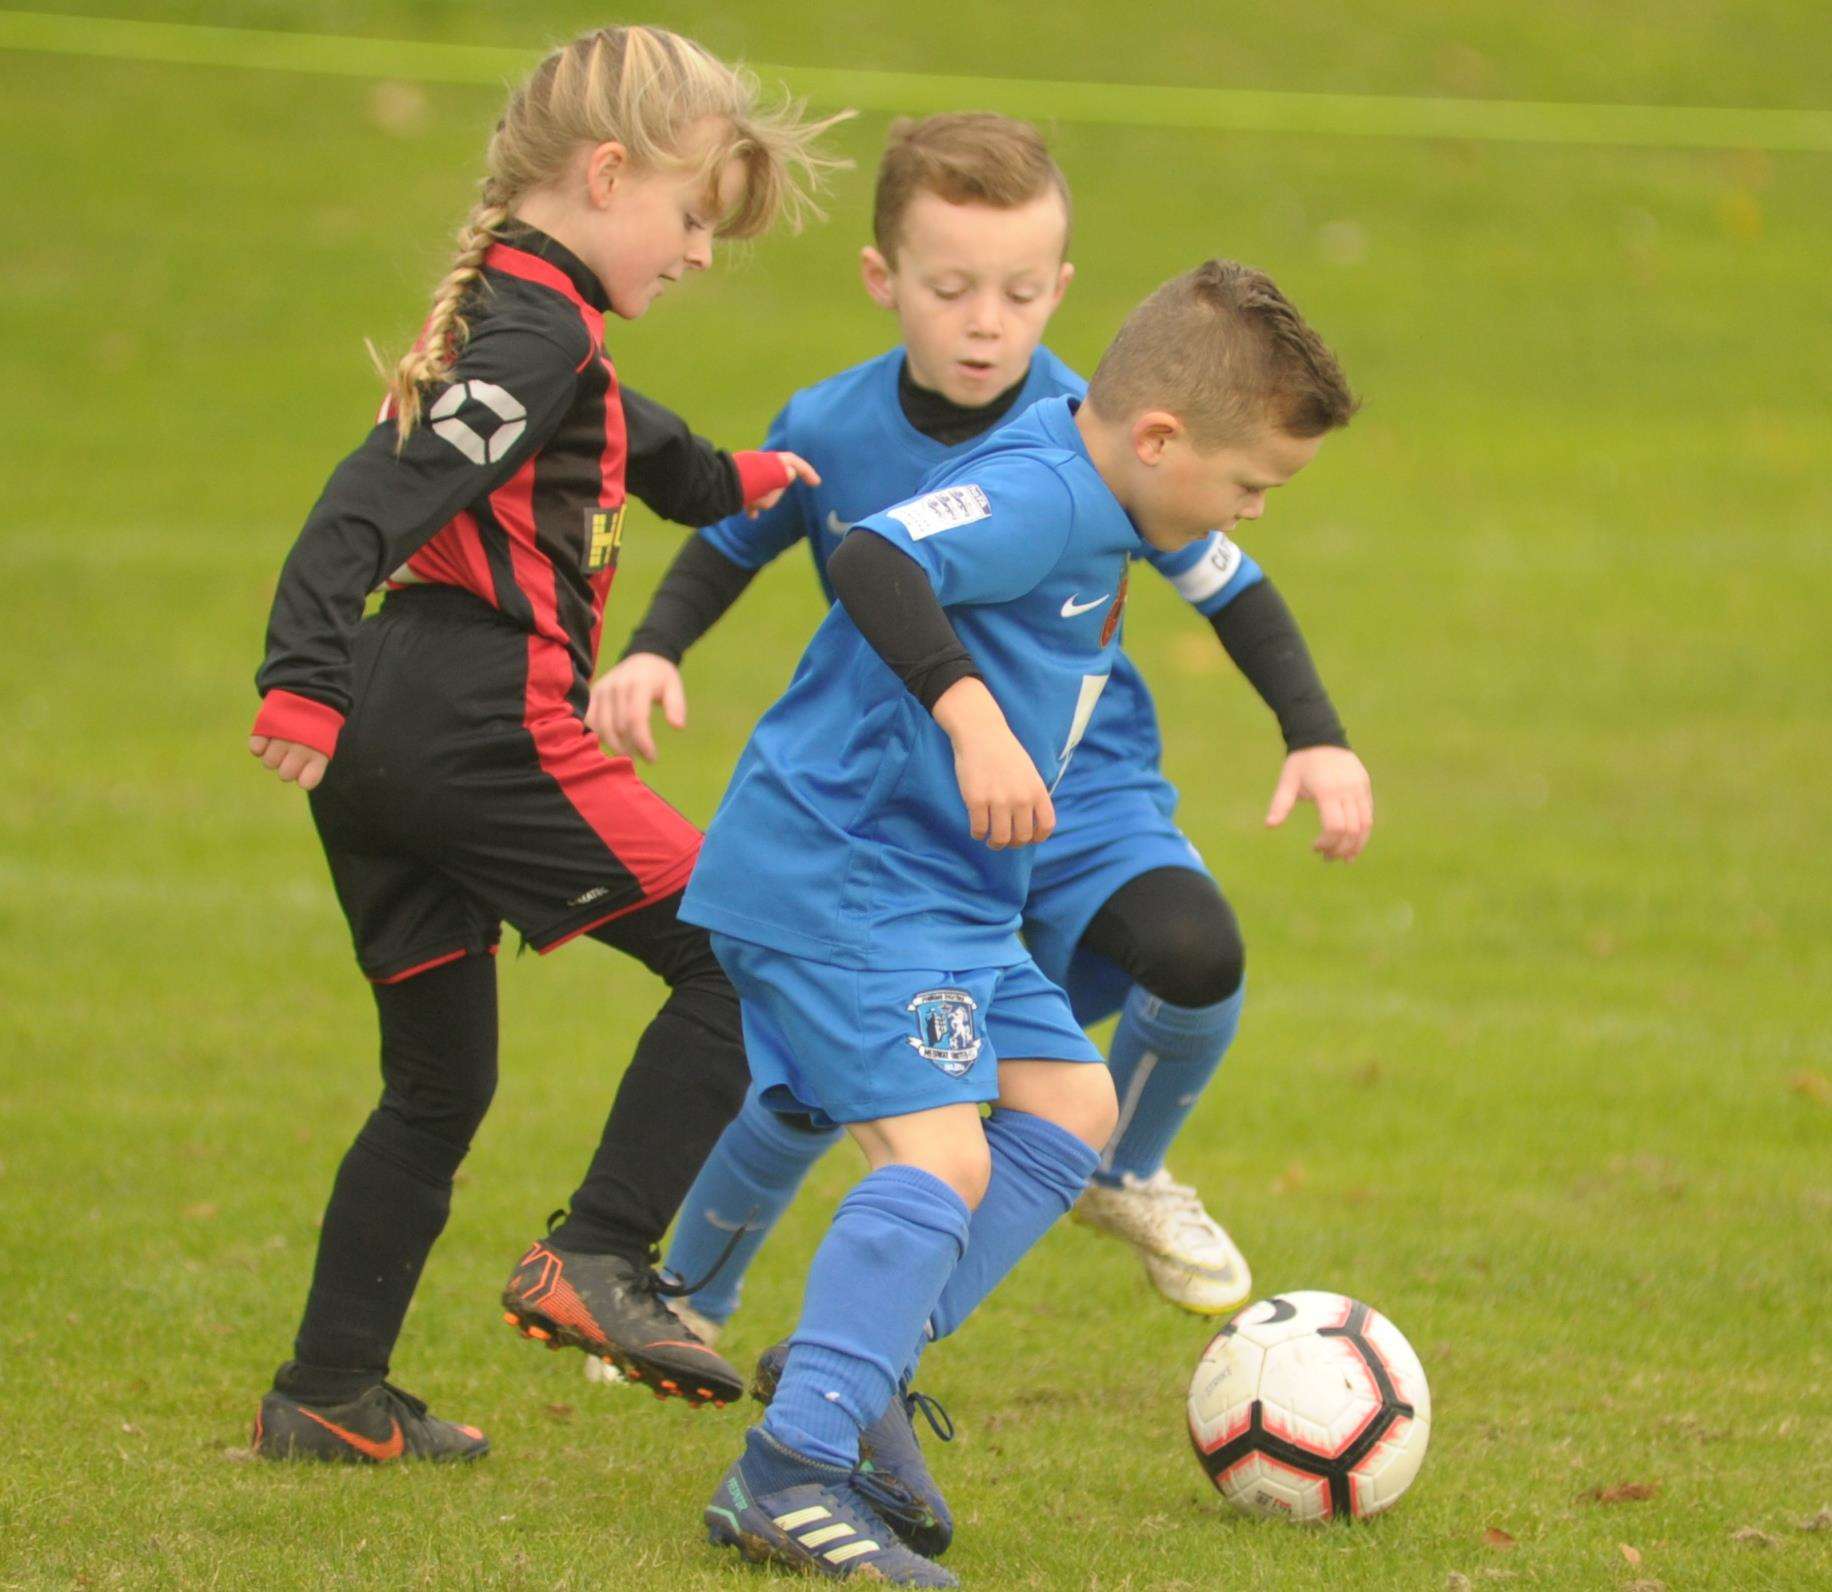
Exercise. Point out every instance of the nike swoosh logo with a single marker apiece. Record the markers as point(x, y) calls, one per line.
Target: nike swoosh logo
point(1282, 1310)
point(836, 525)
point(714, 1219)
point(365, 1445)
point(1071, 608)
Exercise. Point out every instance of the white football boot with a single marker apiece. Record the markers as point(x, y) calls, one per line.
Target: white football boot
point(703, 1327)
point(1187, 1253)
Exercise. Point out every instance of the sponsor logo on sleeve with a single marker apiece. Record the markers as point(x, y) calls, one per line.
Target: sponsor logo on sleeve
point(946, 510)
point(495, 423)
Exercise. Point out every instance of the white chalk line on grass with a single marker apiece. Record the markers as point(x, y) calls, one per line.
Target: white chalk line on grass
point(1136, 105)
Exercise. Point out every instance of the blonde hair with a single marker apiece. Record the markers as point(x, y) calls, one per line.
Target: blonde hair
point(964, 157)
point(1226, 352)
point(644, 88)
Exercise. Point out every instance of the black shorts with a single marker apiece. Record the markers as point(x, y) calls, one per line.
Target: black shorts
point(467, 791)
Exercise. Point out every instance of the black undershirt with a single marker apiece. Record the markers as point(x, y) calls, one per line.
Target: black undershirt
point(911, 632)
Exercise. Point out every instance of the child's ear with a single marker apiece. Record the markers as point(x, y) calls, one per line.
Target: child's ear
point(1063, 278)
point(603, 166)
point(875, 273)
point(1152, 433)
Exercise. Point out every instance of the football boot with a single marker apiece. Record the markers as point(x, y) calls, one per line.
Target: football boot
point(380, 1424)
point(616, 1310)
point(892, 1471)
point(774, 1505)
point(1187, 1253)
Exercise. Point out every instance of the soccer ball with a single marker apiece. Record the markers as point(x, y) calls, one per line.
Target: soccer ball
point(1311, 1406)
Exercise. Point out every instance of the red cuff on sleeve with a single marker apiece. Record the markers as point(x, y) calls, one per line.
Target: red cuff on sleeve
point(760, 474)
point(297, 718)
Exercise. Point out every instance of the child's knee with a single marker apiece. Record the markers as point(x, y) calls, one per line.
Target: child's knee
point(1095, 1106)
point(1077, 1096)
point(967, 1169)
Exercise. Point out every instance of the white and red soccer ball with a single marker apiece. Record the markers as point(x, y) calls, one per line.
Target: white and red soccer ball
point(1311, 1406)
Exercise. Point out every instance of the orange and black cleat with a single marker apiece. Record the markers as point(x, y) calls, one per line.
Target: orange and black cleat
point(380, 1424)
point(612, 1308)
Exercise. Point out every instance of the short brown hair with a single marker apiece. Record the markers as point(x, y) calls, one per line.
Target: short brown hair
point(1226, 352)
point(964, 157)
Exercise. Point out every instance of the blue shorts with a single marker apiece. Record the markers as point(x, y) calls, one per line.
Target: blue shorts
point(1096, 848)
point(845, 1045)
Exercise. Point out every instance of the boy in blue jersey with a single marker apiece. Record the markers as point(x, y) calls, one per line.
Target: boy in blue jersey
point(866, 876)
point(971, 223)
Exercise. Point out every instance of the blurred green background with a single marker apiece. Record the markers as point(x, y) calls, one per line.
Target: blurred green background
point(1545, 1076)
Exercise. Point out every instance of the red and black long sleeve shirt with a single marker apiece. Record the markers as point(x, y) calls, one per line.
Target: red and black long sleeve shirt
point(512, 488)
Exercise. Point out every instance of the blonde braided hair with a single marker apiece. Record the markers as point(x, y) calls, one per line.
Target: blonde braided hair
point(644, 88)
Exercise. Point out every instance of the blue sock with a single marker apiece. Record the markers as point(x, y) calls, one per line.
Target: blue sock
point(894, 1241)
point(747, 1181)
point(1038, 1171)
point(1162, 1058)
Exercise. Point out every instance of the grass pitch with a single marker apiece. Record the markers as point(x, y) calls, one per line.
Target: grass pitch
point(1544, 1077)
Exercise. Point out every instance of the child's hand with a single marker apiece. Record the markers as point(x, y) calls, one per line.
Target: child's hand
point(1007, 801)
point(290, 760)
point(624, 697)
point(1333, 777)
point(799, 470)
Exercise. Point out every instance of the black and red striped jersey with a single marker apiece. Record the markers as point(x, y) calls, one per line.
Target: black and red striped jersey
point(512, 487)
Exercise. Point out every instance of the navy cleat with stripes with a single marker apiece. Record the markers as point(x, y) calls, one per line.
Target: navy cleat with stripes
point(892, 1471)
point(775, 1505)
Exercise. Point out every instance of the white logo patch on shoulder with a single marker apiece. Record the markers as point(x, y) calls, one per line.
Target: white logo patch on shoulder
point(509, 420)
point(946, 510)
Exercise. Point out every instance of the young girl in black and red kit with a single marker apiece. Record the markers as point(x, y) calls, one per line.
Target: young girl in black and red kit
point(448, 742)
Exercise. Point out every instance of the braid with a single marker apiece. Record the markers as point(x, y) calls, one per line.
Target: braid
point(644, 88)
point(445, 332)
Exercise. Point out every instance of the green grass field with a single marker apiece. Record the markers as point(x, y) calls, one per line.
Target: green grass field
point(1545, 1076)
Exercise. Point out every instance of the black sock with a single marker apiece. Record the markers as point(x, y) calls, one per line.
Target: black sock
point(388, 1206)
point(684, 1084)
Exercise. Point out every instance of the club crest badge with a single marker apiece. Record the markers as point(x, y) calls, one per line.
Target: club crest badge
point(944, 1029)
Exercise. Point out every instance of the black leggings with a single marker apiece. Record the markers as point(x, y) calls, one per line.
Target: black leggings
point(392, 1195)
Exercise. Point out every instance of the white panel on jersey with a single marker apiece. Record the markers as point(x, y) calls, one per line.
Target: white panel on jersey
point(1211, 572)
point(942, 511)
point(1091, 687)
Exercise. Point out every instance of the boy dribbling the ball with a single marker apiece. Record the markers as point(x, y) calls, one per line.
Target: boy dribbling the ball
point(871, 926)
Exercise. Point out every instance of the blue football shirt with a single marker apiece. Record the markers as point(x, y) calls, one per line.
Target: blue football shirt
point(852, 428)
point(842, 836)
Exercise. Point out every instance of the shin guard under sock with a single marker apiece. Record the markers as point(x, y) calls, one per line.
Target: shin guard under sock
point(877, 1275)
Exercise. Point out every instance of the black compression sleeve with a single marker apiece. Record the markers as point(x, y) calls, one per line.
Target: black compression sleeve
point(1263, 639)
point(888, 597)
point(700, 585)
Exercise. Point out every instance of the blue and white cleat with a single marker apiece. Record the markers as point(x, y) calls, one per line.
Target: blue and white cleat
point(812, 1517)
point(892, 1472)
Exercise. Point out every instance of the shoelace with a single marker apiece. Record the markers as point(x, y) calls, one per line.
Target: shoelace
point(941, 1423)
point(653, 1281)
point(1182, 1200)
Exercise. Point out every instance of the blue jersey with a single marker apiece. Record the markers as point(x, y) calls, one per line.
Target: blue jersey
point(852, 428)
point(842, 837)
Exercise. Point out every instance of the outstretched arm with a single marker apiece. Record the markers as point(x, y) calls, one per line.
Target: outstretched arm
point(1261, 635)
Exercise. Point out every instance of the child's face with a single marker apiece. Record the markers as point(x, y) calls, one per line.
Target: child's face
point(638, 230)
point(1178, 493)
point(973, 287)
